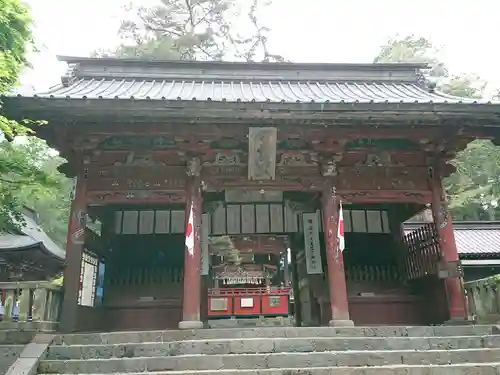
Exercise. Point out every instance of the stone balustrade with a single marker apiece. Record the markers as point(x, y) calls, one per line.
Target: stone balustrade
point(484, 299)
point(30, 304)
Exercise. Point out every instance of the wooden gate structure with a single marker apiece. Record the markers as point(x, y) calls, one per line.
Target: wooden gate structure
point(251, 149)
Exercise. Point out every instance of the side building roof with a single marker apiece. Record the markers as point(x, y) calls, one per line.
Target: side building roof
point(474, 239)
point(31, 237)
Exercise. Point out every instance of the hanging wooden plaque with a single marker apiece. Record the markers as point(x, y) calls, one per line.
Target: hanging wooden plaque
point(205, 231)
point(262, 154)
point(311, 244)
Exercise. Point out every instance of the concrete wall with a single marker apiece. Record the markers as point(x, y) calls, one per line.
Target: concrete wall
point(484, 299)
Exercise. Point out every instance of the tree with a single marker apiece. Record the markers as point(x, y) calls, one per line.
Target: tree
point(475, 186)
point(19, 172)
point(31, 179)
point(15, 41)
point(412, 49)
point(195, 30)
point(421, 50)
point(50, 201)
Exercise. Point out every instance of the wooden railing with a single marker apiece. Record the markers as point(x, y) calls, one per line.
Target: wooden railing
point(31, 301)
point(483, 296)
point(374, 273)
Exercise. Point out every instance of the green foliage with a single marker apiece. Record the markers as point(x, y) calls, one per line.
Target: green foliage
point(29, 177)
point(18, 172)
point(408, 49)
point(194, 30)
point(58, 281)
point(475, 186)
point(28, 174)
point(15, 42)
point(466, 86)
point(15, 38)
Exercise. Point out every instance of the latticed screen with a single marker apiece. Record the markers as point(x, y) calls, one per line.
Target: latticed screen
point(423, 254)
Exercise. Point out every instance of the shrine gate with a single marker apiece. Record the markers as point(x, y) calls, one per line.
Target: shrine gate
point(263, 154)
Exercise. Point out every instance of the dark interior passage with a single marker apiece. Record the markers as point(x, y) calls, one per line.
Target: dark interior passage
point(144, 281)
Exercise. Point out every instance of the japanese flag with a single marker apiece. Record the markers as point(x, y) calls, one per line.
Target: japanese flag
point(190, 233)
point(340, 231)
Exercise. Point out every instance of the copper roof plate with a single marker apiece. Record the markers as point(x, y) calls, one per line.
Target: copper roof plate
point(115, 78)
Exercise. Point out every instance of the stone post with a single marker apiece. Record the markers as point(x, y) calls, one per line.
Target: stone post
point(191, 302)
point(335, 261)
point(74, 250)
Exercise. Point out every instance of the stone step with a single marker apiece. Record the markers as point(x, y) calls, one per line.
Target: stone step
point(270, 361)
point(36, 326)
point(15, 337)
point(252, 323)
point(274, 345)
point(461, 369)
point(272, 332)
point(8, 355)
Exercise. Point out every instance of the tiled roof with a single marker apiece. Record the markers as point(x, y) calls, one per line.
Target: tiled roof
point(31, 236)
point(250, 91)
point(111, 78)
point(478, 241)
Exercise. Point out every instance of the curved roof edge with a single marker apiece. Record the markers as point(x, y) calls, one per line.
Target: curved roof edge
point(32, 235)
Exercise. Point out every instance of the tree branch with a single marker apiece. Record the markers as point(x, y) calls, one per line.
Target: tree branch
point(17, 182)
point(205, 16)
point(191, 15)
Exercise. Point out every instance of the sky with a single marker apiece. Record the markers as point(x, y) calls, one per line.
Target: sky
point(301, 31)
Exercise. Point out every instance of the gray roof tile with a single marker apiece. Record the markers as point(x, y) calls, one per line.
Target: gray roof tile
point(114, 78)
point(31, 235)
point(478, 241)
point(250, 91)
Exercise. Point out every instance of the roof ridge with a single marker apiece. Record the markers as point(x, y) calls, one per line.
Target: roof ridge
point(117, 68)
point(240, 64)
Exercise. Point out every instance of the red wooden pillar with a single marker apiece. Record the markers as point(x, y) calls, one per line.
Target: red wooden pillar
point(442, 219)
point(191, 302)
point(335, 260)
point(74, 250)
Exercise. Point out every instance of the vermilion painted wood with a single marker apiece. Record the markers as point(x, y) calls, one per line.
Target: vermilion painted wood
point(247, 311)
point(229, 306)
point(282, 309)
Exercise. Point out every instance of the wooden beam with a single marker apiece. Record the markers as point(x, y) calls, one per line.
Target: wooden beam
point(161, 197)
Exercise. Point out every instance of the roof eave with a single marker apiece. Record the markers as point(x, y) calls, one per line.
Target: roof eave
point(312, 107)
point(36, 245)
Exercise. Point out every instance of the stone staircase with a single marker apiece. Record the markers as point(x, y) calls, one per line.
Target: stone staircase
point(12, 343)
point(457, 350)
